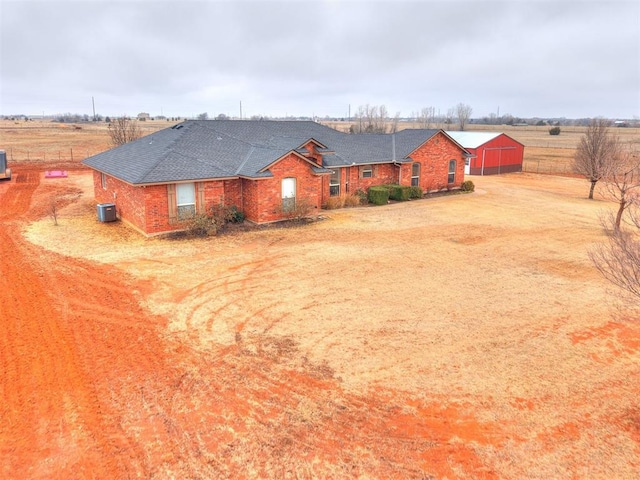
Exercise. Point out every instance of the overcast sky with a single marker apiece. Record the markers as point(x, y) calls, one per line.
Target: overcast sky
point(528, 58)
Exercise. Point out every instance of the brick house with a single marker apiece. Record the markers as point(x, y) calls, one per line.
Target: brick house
point(263, 168)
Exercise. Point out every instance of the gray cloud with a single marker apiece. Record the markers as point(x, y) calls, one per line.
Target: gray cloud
point(530, 58)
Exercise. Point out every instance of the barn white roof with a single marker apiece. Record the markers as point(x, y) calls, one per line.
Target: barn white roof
point(473, 139)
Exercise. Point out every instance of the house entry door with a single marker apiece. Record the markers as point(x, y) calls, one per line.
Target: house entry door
point(288, 194)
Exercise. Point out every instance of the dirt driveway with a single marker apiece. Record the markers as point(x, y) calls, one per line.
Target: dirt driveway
point(456, 337)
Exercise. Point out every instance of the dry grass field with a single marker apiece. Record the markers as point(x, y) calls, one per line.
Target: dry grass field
point(543, 153)
point(463, 336)
point(63, 143)
point(45, 142)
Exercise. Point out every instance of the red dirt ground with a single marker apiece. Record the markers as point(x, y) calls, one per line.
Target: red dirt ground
point(93, 387)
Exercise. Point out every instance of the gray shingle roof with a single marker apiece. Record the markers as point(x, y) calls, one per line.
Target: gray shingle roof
point(206, 149)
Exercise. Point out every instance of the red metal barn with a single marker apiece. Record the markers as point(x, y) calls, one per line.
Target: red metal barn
point(491, 153)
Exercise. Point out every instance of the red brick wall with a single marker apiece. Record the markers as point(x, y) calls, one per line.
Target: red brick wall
point(250, 199)
point(263, 198)
point(382, 174)
point(129, 200)
point(146, 207)
point(233, 193)
point(313, 154)
point(434, 158)
point(157, 209)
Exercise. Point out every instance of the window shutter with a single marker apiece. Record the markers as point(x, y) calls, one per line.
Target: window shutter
point(171, 198)
point(200, 197)
point(374, 172)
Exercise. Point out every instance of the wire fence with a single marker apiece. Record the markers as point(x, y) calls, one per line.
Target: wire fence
point(17, 155)
point(547, 167)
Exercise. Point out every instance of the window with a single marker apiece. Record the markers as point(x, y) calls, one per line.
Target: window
point(415, 175)
point(186, 200)
point(288, 194)
point(452, 172)
point(103, 181)
point(366, 171)
point(334, 183)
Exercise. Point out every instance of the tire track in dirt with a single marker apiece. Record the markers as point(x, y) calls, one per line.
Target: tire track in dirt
point(55, 422)
point(89, 389)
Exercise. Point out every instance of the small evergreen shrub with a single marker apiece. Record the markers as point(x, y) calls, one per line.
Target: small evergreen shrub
point(554, 131)
point(399, 193)
point(416, 192)
point(234, 215)
point(467, 186)
point(378, 195)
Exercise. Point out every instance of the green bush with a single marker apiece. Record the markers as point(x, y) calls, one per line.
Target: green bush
point(234, 215)
point(467, 186)
point(378, 195)
point(416, 192)
point(400, 193)
point(554, 131)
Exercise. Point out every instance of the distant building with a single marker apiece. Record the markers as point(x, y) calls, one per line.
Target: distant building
point(143, 116)
point(621, 123)
point(491, 153)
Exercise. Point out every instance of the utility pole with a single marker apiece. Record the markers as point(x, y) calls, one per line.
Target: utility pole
point(94, 108)
point(240, 109)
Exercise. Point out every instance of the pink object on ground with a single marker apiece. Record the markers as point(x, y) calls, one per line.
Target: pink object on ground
point(55, 174)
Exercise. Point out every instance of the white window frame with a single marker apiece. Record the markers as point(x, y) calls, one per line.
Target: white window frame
point(289, 202)
point(334, 188)
point(451, 177)
point(185, 207)
point(103, 180)
point(367, 171)
point(415, 179)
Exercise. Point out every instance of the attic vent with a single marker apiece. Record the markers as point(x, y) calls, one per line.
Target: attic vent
point(178, 127)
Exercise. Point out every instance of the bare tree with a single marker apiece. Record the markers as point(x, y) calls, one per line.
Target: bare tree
point(463, 114)
point(426, 117)
point(395, 122)
point(203, 116)
point(618, 260)
point(53, 209)
point(123, 130)
point(370, 119)
point(448, 118)
point(622, 181)
point(595, 152)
